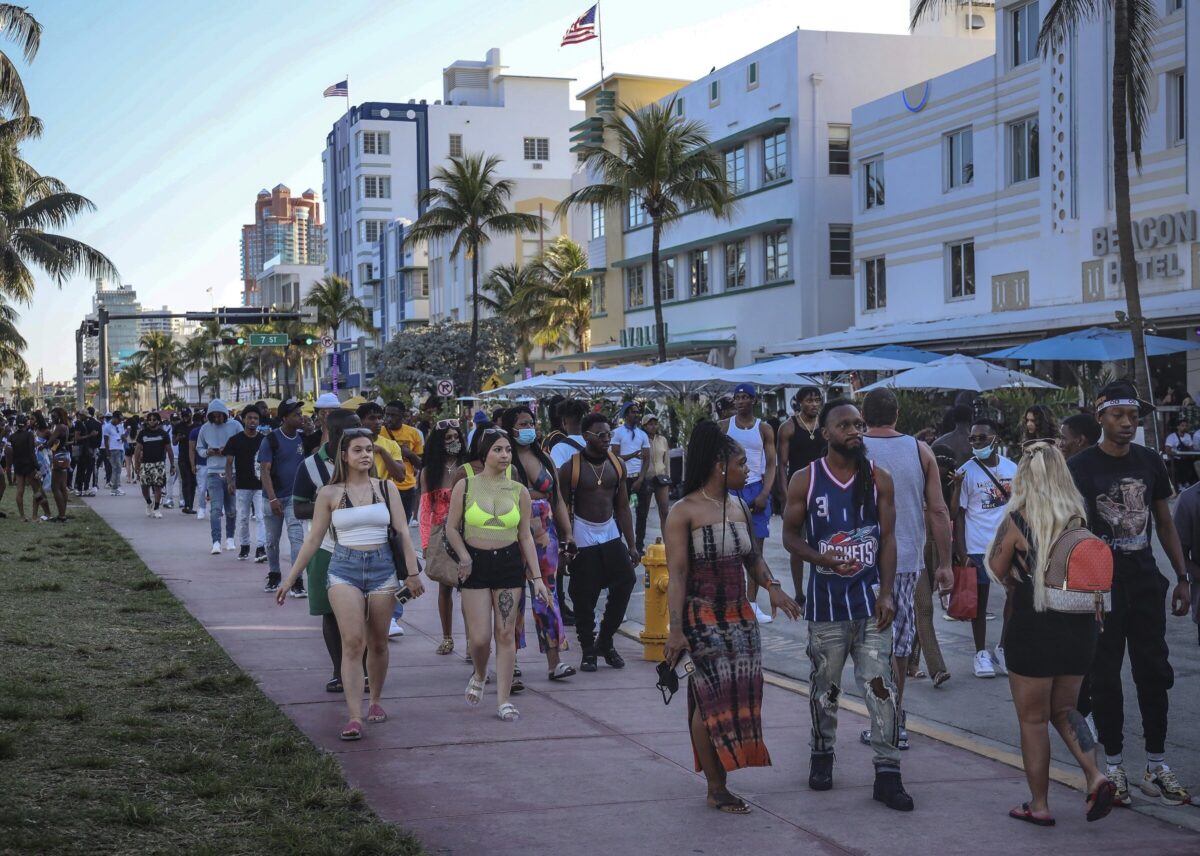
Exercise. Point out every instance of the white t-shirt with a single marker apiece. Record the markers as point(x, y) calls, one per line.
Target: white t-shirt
point(983, 502)
point(563, 452)
point(1182, 444)
point(627, 440)
point(115, 435)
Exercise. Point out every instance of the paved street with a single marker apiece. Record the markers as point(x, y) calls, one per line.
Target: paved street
point(599, 763)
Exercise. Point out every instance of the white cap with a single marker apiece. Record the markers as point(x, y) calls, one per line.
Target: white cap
point(327, 401)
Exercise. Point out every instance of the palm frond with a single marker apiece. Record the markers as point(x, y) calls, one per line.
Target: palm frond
point(53, 211)
point(19, 26)
point(67, 256)
point(1143, 32)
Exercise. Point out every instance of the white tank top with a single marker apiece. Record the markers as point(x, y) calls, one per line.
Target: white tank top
point(361, 525)
point(750, 439)
point(901, 457)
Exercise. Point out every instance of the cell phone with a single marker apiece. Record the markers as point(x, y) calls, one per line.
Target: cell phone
point(684, 665)
point(404, 595)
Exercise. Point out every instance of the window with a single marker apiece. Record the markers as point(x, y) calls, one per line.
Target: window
point(537, 148)
point(391, 289)
point(370, 230)
point(873, 183)
point(752, 75)
point(777, 256)
point(635, 214)
point(699, 273)
point(839, 149)
point(456, 150)
point(635, 287)
point(423, 284)
point(775, 165)
point(366, 272)
point(874, 283)
point(1023, 150)
point(1177, 106)
point(962, 269)
point(599, 296)
point(679, 107)
point(735, 265)
point(841, 260)
point(666, 278)
point(376, 143)
point(1174, 5)
point(958, 157)
point(597, 220)
point(376, 186)
point(735, 169)
point(1023, 24)
point(714, 93)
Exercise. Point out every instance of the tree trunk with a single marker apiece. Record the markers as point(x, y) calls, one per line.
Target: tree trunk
point(656, 290)
point(1129, 271)
point(473, 355)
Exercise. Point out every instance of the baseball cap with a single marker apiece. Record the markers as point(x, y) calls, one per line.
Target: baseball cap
point(289, 406)
point(479, 417)
point(327, 401)
point(747, 388)
point(1122, 393)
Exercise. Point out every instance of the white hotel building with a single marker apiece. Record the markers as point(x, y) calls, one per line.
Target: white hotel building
point(983, 199)
point(780, 267)
point(379, 156)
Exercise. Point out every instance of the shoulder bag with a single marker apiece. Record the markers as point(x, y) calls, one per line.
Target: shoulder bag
point(396, 543)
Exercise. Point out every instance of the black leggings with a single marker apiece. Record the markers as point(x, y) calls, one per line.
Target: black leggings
point(603, 566)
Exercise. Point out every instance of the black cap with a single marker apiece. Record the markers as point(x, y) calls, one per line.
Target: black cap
point(1122, 393)
point(288, 406)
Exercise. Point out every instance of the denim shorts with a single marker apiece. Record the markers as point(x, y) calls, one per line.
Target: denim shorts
point(369, 571)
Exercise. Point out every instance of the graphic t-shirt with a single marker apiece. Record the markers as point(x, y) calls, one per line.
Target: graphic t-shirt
point(834, 523)
point(244, 451)
point(983, 501)
point(1119, 494)
point(154, 445)
point(410, 438)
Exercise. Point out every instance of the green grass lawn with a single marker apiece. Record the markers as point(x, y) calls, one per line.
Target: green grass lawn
point(124, 728)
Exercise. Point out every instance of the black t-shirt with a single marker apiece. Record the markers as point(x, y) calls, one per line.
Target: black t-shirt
point(154, 445)
point(94, 427)
point(1119, 494)
point(24, 454)
point(803, 448)
point(78, 429)
point(244, 451)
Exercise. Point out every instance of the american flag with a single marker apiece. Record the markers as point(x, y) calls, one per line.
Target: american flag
point(582, 30)
point(338, 90)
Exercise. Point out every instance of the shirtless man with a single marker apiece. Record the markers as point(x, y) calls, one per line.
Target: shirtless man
point(592, 485)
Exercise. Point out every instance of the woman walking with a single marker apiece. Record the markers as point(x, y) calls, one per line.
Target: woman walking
point(551, 527)
point(58, 445)
point(709, 552)
point(362, 580)
point(1048, 652)
point(658, 473)
point(488, 530)
point(443, 456)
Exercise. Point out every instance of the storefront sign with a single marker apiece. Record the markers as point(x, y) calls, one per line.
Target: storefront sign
point(642, 337)
point(1165, 232)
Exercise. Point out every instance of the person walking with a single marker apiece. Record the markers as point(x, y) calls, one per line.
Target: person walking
point(241, 469)
point(279, 458)
point(631, 444)
point(198, 465)
point(362, 577)
point(488, 527)
point(1125, 489)
point(562, 446)
point(58, 446)
point(593, 483)
point(152, 451)
point(758, 439)
point(23, 456)
point(389, 464)
point(442, 459)
point(840, 518)
point(658, 470)
point(1187, 523)
point(210, 447)
point(1048, 651)
point(709, 553)
point(412, 446)
point(801, 442)
point(977, 507)
point(114, 451)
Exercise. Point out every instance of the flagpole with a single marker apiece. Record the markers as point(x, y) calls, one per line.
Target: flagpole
point(347, 92)
point(600, 39)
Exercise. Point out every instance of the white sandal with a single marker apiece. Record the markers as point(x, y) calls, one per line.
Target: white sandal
point(474, 690)
point(508, 712)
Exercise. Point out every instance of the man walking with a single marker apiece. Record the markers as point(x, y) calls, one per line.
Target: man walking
point(800, 443)
point(412, 446)
point(957, 438)
point(840, 517)
point(758, 439)
point(1077, 432)
point(241, 469)
point(210, 447)
point(593, 484)
point(114, 451)
point(151, 453)
point(631, 444)
point(1125, 488)
point(279, 459)
point(918, 491)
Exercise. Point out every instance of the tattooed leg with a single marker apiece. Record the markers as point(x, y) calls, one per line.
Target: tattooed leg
point(1079, 728)
point(504, 602)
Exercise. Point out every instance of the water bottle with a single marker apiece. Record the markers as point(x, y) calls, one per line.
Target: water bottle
point(633, 501)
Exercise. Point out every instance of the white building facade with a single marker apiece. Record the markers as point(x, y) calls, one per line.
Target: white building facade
point(983, 205)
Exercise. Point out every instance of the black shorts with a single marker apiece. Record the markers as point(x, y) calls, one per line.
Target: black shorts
point(496, 569)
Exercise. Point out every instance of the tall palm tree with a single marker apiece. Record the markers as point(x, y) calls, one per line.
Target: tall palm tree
point(156, 349)
point(567, 297)
point(513, 292)
point(662, 163)
point(17, 25)
point(468, 205)
point(12, 343)
point(296, 355)
point(237, 367)
point(335, 305)
point(195, 353)
point(132, 376)
point(20, 376)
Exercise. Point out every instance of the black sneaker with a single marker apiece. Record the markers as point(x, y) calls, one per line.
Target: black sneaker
point(297, 591)
point(244, 553)
point(820, 772)
point(889, 790)
point(518, 686)
point(614, 659)
point(588, 664)
point(260, 555)
point(272, 584)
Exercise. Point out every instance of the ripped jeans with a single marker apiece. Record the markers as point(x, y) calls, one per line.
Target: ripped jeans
point(828, 644)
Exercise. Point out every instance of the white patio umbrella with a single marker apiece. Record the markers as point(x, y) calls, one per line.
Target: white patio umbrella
point(825, 363)
point(959, 371)
point(677, 377)
point(538, 383)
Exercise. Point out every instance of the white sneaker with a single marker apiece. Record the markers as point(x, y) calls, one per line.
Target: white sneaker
point(395, 629)
point(762, 617)
point(216, 550)
point(200, 514)
point(229, 545)
point(998, 661)
point(149, 511)
point(984, 668)
point(158, 515)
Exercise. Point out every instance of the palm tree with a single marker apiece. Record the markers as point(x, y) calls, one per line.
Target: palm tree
point(296, 355)
point(513, 292)
point(237, 367)
point(157, 348)
point(469, 205)
point(662, 163)
point(335, 305)
point(131, 377)
point(20, 376)
point(194, 354)
point(12, 343)
point(567, 297)
point(18, 26)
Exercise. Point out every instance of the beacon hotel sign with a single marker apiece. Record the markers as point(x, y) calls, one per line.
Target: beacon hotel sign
point(1157, 241)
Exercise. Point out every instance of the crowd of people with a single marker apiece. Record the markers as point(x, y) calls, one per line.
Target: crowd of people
point(877, 524)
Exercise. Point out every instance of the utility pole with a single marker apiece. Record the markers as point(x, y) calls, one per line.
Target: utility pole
point(79, 366)
point(103, 316)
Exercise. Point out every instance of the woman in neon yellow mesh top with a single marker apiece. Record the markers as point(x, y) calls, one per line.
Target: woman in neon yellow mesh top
point(488, 527)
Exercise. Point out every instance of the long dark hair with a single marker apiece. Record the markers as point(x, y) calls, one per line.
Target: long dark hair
point(433, 462)
point(508, 422)
point(1046, 426)
point(707, 447)
point(864, 473)
point(471, 451)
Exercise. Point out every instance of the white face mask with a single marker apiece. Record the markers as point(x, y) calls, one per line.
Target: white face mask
point(984, 453)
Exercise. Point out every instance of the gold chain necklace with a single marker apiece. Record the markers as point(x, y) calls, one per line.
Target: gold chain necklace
point(720, 502)
point(812, 432)
point(599, 473)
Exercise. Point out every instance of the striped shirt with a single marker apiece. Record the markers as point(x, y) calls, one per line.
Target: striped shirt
point(832, 524)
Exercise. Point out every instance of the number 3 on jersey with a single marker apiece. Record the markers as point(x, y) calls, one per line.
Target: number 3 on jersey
point(822, 503)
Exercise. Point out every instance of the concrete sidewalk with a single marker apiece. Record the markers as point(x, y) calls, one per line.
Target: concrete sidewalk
point(597, 763)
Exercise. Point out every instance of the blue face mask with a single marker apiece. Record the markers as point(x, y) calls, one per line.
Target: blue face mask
point(984, 453)
point(525, 436)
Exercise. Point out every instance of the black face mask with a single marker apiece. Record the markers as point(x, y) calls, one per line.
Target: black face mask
point(668, 681)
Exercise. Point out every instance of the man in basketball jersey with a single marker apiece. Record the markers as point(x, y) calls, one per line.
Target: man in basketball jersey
point(840, 517)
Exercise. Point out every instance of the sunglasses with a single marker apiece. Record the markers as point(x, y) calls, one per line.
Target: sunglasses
point(357, 432)
point(599, 435)
point(446, 423)
point(487, 431)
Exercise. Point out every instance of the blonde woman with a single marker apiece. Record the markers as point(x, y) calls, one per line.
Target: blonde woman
point(361, 582)
point(1048, 652)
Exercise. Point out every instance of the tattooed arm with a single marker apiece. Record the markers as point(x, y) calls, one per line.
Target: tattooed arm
point(1000, 552)
point(675, 538)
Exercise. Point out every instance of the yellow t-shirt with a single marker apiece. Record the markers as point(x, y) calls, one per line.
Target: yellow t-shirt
point(393, 449)
point(411, 438)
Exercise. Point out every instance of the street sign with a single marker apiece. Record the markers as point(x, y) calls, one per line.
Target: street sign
point(493, 382)
point(327, 342)
point(269, 340)
point(445, 388)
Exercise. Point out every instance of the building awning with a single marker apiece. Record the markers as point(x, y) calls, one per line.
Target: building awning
point(975, 332)
point(762, 129)
point(624, 355)
point(700, 243)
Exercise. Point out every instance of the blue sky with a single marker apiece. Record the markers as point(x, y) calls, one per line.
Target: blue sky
point(170, 116)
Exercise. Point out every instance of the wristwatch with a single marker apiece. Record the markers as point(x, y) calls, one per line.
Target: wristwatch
point(772, 582)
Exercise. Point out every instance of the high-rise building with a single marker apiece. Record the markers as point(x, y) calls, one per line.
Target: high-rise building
point(123, 333)
point(286, 230)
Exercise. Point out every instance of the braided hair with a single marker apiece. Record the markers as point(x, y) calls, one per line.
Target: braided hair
point(864, 473)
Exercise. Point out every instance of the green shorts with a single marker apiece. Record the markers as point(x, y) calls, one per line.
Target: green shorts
point(318, 595)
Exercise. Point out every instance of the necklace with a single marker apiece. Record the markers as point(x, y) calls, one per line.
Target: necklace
point(720, 502)
point(599, 473)
point(812, 432)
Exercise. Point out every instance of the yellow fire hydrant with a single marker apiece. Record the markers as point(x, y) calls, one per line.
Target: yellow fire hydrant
point(655, 635)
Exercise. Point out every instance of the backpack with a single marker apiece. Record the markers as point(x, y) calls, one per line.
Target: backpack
point(1079, 573)
point(617, 463)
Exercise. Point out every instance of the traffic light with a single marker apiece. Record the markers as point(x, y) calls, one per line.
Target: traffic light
point(306, 341)
point(233, 340)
